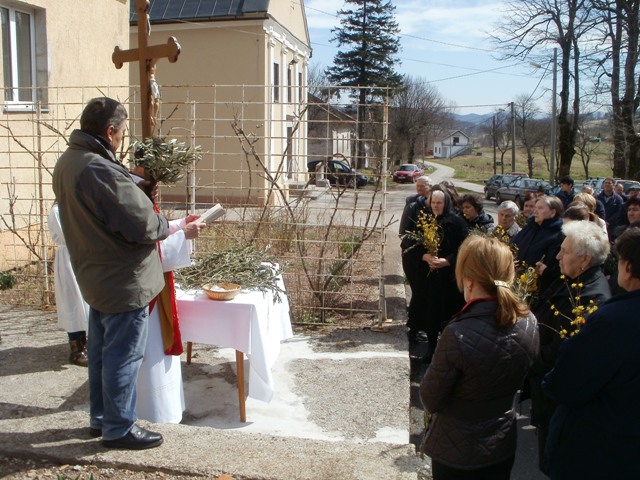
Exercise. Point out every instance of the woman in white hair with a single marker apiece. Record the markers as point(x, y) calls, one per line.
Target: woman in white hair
point(507, 225)
point(582, 284)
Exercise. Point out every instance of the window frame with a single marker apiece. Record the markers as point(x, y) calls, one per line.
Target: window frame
point(15, 104)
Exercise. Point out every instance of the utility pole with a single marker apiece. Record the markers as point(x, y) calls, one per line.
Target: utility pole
point(552, 155)
point(494, 144)
point(513, 137)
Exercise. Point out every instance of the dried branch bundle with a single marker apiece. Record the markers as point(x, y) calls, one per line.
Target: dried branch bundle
point(241, 264)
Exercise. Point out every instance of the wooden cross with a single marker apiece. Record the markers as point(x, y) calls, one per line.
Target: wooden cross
point(147, 56)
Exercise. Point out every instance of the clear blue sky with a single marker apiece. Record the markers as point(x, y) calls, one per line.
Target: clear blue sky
point(446, 43)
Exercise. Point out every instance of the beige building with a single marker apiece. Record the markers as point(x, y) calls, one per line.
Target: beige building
point(237, 90)
point(56, 56)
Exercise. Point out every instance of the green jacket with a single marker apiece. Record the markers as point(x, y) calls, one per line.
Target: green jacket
point(110, 227)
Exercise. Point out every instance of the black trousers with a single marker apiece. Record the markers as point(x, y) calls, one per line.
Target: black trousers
point(499, 471)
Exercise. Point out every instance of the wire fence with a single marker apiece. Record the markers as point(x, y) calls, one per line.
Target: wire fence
point(302, 179)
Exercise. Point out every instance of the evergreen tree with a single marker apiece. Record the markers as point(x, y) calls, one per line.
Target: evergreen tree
point(370, 32)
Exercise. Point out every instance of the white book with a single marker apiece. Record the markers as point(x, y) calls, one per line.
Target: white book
point(212, 214)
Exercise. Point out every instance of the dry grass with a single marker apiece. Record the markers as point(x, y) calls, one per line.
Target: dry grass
point(477, 168)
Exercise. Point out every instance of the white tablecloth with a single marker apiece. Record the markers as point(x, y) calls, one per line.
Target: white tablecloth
point(250, 323)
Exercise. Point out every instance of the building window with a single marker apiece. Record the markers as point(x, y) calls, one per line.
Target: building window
point(299, 87)
point(289, 84)
point(276, 82)
point(17, 55)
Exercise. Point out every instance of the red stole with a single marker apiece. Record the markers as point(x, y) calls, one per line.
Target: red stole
point(168, 312)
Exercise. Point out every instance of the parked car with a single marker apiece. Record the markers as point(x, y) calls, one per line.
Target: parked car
point(499, 180)
point(517, 190)
point(407, 173)
point(338, 172)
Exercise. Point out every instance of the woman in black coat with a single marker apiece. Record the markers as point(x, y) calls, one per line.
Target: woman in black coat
point(581, 257)
point(482, 358)
point(414, 268)
point(538, 243)
point(443, 297)
point(474, 214)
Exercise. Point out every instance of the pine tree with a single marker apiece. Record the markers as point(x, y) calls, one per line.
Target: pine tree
point(370, 31)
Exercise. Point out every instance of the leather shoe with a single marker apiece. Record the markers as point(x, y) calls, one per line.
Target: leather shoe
point(137, 439)
point(95, 432)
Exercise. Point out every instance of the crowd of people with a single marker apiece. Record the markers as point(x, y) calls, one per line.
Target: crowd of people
point(538, 305)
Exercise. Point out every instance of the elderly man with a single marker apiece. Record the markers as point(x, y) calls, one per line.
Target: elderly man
point(619, 189)
point(595, 430)
point(111, 230)
point(414, 269)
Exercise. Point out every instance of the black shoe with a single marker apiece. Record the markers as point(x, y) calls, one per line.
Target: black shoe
point(137, 439)
point(95, 432)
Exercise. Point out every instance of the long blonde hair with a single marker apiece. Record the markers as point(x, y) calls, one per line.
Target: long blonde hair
point(489, 262)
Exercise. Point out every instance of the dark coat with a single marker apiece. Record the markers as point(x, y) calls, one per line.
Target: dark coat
point(562, 297)
point(595, 430)
point(443, 297)
point(600, 209)
point(470, 387)
point(482, 222)
point(415, 269)
point(565, 198)
point(537, 241)
point(612, 205)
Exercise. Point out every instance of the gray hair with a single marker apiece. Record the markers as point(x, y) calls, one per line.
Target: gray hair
point(509, 205)
point(588, 239)
point(425, 179)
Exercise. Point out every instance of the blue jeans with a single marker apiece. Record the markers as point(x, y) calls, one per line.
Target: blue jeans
point(115, 349)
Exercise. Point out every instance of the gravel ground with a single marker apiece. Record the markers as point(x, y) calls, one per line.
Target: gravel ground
point(12, 468)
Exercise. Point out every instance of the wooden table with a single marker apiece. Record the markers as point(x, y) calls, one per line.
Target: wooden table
point(251, 324)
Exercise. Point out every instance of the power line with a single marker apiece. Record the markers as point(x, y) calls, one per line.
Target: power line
point(448, 44)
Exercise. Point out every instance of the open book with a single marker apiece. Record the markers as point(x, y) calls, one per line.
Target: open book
point(212, 214)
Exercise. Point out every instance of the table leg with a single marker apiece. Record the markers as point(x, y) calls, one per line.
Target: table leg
point(189, 348)
point(240, 376)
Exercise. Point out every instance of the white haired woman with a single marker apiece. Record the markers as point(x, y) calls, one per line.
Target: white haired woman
point(582, 284)
point(507, 226)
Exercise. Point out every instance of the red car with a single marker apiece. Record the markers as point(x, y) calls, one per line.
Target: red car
point(407, 173)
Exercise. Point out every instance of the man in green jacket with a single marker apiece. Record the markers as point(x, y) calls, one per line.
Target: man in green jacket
point(112, 231)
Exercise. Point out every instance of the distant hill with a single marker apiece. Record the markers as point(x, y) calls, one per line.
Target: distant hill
point(472, 123)
point(472, 118)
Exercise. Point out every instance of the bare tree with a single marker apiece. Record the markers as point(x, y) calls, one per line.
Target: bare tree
point(586, 145)
point(501, 132)
point(417, 109)
point(533, 25)
point(615, 67)
point(526, 112)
